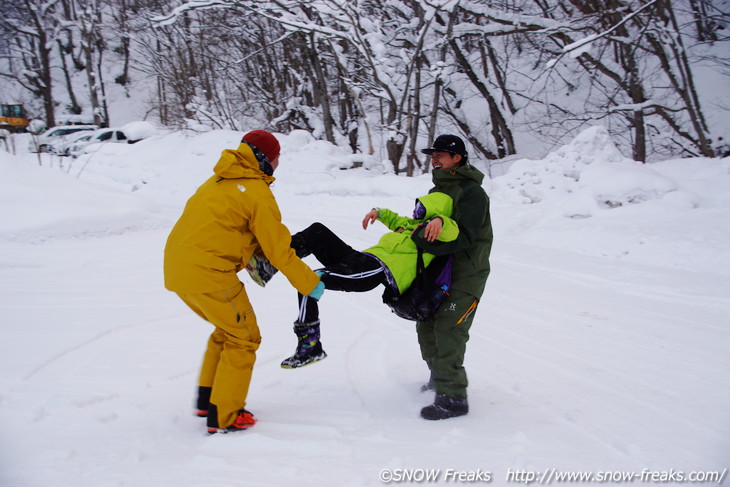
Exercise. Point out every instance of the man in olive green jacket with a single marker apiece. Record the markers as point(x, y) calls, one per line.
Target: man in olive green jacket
point(443, 337)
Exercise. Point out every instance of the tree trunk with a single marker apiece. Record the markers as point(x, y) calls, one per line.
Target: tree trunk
point(706, 29)
point(682, 80)
point(501, 133)
point(103, 106)
point(74, 105)
point(44, 51)
point(414, 119)
point(93, 82)
point(394, 148)
point(321, 86)
point(123, 78)
point(636, 92)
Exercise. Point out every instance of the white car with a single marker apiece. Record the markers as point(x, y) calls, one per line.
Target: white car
point(62, 147)
point(55, 135)
point(87, 143)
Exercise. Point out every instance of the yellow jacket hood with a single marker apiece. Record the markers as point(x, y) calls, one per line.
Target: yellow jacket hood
point(240, 163)
point(231, 215)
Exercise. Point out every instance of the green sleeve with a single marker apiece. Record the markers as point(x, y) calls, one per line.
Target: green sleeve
point(449, 231)
point(391, 219)
point(474, 207)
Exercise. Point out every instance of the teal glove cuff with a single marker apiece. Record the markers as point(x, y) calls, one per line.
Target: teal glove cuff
point(318, 291)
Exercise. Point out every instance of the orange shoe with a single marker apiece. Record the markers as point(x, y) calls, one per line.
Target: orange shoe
point(201, 413)
point(243, 421)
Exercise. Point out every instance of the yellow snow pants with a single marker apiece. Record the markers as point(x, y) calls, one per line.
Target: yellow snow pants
point(231, 353)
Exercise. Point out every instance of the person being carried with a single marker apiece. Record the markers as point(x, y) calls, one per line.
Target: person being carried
point(391, 262)
point(442, 336)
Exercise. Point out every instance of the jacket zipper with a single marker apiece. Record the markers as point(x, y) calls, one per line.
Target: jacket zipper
point(469, 311)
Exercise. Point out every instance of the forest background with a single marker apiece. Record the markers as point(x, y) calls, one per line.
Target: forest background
point(384, 77)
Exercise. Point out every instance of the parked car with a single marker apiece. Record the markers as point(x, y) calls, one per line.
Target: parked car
point(88, 143)
point(63, 146)
point(45, 141)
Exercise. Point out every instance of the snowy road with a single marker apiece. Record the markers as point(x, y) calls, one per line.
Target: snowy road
point(575, 363)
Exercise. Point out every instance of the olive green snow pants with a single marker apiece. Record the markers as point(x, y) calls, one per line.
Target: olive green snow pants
point(231, 352)
point(443, 340)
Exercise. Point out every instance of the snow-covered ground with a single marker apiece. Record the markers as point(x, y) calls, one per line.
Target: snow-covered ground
point(601, 343)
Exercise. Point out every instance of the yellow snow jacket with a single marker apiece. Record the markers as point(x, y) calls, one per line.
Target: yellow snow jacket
point(231, 216)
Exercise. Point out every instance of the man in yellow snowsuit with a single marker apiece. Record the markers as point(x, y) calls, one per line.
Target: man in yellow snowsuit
point(232, 215)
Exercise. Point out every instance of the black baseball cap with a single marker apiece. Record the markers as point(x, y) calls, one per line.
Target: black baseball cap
point(447, 143)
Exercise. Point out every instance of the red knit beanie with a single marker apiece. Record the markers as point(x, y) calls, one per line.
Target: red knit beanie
point(265, 142)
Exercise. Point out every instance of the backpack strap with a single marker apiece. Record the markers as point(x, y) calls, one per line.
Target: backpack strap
point(420, 266)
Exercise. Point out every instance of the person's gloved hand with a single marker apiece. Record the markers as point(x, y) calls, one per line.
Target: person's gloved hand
point(318, 291)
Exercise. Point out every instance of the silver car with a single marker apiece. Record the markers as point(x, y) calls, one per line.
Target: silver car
point(46, 141)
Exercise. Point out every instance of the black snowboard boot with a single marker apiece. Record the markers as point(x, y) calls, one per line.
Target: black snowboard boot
point(445, 407)
point(309, 348)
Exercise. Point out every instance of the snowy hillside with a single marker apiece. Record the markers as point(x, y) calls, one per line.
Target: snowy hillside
point(600, 345)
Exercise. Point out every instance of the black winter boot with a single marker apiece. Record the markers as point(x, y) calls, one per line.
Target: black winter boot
point(309, 348)
point(445, 407)
point(203, 402)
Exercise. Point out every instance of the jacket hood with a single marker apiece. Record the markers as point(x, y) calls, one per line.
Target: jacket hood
point(437, 204)
point(466, 171)
point(240, 163)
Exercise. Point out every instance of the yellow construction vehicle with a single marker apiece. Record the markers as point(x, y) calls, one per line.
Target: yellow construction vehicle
point(13, 118)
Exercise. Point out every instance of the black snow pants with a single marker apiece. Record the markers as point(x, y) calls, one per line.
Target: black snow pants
point(345, 269)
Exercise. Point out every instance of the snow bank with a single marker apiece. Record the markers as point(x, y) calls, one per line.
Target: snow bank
point(583, 177)
point(590, 175)
point(670, 213)
point(38, 204)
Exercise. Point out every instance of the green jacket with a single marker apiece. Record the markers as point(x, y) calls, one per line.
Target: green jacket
point(473, 245)
point(398, 251)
